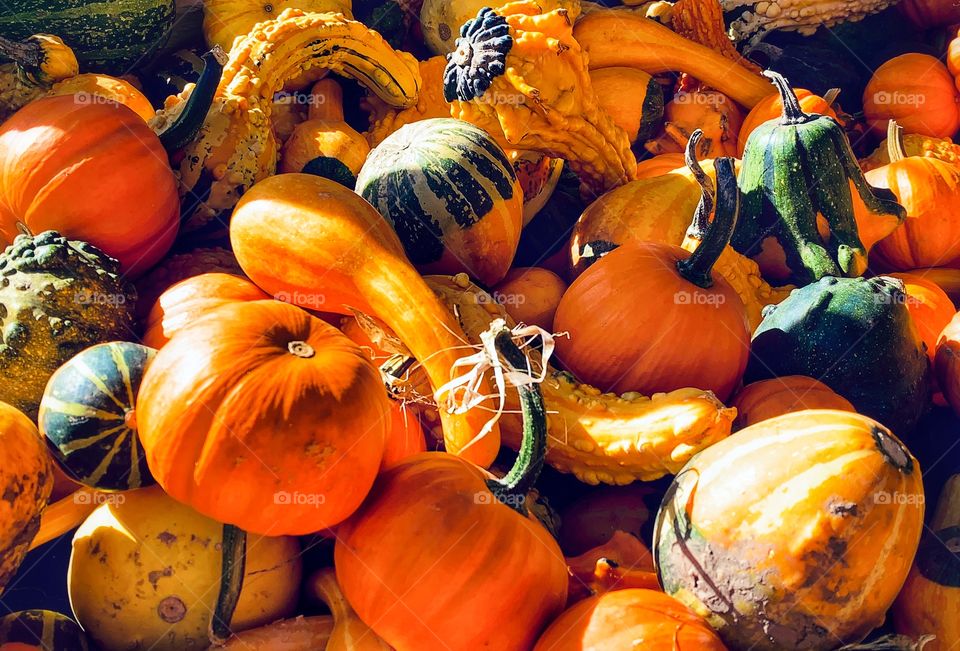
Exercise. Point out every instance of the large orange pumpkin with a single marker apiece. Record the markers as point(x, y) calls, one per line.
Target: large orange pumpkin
point(929, 306)
point(768, 399)
point(649, 317)
point(771, 108)
point(929, 190)
point(917, 91)
point(188, 300)
point(629, 619)
point(92, 171)
point(92, 87)
point(444, 556)
point(262, 416)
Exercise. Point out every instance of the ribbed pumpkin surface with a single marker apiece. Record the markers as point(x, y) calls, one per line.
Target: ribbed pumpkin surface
point(451, 195)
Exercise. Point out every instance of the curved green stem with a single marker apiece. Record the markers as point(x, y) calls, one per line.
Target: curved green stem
point(234, 549)
point(701, 218)
point(697, 268)
point(512, 489)
point(792, 113)
point(188, 123)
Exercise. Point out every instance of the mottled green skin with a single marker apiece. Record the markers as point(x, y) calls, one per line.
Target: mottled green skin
point(43, 629)
point(857, 337)
point(795, 168)
point(110, 36)
point(652, 111)
point(57, 297)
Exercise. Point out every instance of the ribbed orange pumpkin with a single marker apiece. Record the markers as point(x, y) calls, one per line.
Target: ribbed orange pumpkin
point(91, 87)
point(929, 190)
point(918, 92)
point(768, 399)
point(660, 164)
point(771, 108)
point(93, 171)
point(264, 417)
point(188, 300)
point(947, 363)
point(629, 619)
point(929, 306)
point(530, 295)
point(650, 317)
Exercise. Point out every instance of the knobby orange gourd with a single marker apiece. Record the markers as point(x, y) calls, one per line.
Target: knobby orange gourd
point(322, 244)
point(443, 555)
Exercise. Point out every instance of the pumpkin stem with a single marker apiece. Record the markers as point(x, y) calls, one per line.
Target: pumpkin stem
point(185, 127)
point(701, 218)
point(234, 549)
point(792, 113)
point(697, 268)
point(895, 147)
point(512, 489)
point(301, 349)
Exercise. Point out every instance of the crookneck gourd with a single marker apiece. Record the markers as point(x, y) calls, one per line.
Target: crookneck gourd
point(599, 437)
point(803, 16)
point(520, 74)
point(236, 147)
point(37, 63)
point(782, 203)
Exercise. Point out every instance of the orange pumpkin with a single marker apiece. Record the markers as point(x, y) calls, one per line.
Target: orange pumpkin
point(185, 302)
point(918, 92)
point(93, 171)
point(622, 619)
point(714, 113)
point(771, 108)
point(311, 237)
point(660, 164)
point(768, 399)
point(444, 555)
point(649, 317)
point(530, 295)
point(929, 306)
point(947, 363)
point(91, 87)
point(929, 190)
point(264, 417)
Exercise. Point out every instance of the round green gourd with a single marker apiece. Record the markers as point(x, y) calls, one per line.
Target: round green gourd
point(43, 630)
point(857, 337)
point(451, 195)
point(87, 415)
point(57, 297)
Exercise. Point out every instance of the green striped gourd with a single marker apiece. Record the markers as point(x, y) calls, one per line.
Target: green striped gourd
point(451, 195)
point(106, 35)
point(87, 414)
point(42, 630)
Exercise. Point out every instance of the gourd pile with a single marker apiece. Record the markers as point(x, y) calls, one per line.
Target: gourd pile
point(442, 324)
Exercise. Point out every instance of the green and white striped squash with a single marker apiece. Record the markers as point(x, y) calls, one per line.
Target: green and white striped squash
point(106, 35)
point(42, 630)
point(451, 194)
point(87, 415)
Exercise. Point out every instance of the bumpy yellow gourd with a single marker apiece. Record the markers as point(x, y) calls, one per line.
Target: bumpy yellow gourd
point(803, 16)
point(599, 437)
point(37, 63)
point(236, 147)
point(520, 74)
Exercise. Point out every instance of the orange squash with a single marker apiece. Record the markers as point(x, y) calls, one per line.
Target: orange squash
point(306, 235)
point(93, 88)
point(623, 618)
point(185, 302)
point(946, 364)
point(945, 278)
point(93, 171)
point(768, 399)
point(262, 416)
point(929, 306)
point(929, 190)
point(349, 632)
point(621, 562)
point(443, 555)
point(771, 108)
point(530, 295)
point(918, 92)
point(659, 165)
point(715, 114)
point(637, 319)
